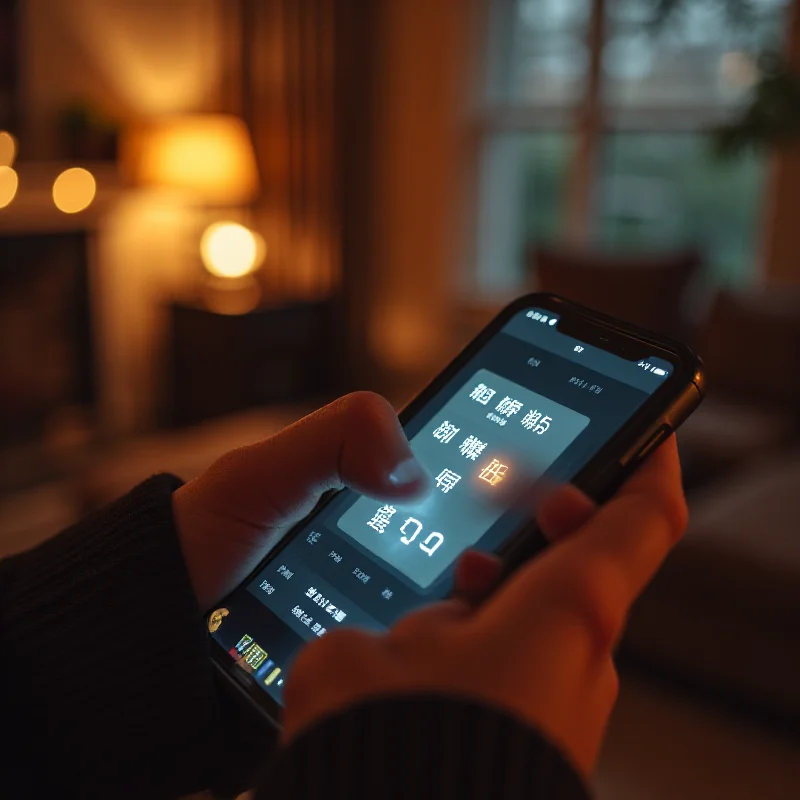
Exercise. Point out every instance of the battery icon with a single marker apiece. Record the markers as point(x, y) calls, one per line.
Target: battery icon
point(658, 371)
point(271, 677)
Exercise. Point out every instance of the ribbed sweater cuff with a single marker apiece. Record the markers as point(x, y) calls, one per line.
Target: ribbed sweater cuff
point(425, 748)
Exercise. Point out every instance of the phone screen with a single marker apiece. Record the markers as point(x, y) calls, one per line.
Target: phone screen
point(532, 404)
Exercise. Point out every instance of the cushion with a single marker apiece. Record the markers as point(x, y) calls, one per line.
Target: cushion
point(751, 345)
point(723, 434)
point(725, 609)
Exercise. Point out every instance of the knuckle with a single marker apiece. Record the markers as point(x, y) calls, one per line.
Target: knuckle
point(595, 593)
point(674, 510)
point(360, 404)
point(227, 468)
point(337, 647)
point(407, 626)
point(429, 625)
point(339, 651)
point(677, 513)
point(229, 459)
point(612, 684)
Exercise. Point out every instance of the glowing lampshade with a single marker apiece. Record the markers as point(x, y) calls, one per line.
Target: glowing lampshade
point(74, 190)
point(230, 250)
point(8, 185)
point(207, 155)
point(8, 149)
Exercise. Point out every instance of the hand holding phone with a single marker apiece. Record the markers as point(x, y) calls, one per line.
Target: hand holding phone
point(548, 393)
point(540, 646)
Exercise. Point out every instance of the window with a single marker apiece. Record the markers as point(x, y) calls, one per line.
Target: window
point(522, 180)
point(538, 52)
point(664, 190)
point(654, 182)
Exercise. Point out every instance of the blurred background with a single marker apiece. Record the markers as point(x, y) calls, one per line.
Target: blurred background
point(217, 214)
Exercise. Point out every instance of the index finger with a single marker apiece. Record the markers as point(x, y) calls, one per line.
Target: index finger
point(609, 560)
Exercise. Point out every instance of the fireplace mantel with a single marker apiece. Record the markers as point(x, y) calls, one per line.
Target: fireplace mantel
point(139, 257)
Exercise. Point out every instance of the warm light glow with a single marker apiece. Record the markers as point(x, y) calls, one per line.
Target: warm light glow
point(494, 472)
point(208, 155)
point(8, 149)
point(229, 250)
point(738, 69)
point(155, 63)
point(8, 185)
point(74, 190)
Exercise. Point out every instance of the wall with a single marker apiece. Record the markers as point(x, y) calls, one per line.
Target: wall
point(132, 59)
point(146, 254)
point(421, 141)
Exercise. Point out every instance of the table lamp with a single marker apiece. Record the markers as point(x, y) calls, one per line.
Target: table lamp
point(210, 158)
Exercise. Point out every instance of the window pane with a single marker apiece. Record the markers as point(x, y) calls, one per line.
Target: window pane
point(539, 51)
point(661, 191)
point(658, 185)
point(523, 177)
point(699, 57)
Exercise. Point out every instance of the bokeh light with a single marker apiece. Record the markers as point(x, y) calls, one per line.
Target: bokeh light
point(74, 190)
point(8, 185)
point(230, 250)
point(738, 69)
point(8, 149)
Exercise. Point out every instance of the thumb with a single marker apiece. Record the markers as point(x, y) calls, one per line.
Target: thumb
point(564, 511)
point(356, 440)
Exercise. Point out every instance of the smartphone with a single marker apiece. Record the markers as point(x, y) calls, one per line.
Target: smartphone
point(548, 392)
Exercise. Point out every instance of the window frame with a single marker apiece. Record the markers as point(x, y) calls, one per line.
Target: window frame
point(589, 119)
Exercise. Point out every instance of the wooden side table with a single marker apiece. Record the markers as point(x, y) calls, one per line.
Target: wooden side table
point(221, 363)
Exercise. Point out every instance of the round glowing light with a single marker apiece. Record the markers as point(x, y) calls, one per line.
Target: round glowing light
point(8, 185)
point(74, 190)
point(738, 69)
point(8, 149)
point(229, 250)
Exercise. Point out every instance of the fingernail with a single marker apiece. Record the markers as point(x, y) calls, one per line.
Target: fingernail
point(409, 472)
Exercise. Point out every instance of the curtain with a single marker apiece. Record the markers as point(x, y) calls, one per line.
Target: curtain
point(286, 51)
point(356, 112)
point(300, 73)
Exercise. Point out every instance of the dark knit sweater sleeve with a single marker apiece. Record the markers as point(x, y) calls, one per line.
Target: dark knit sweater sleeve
point(106, 690)
point(421, 748)
point(105, 679)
